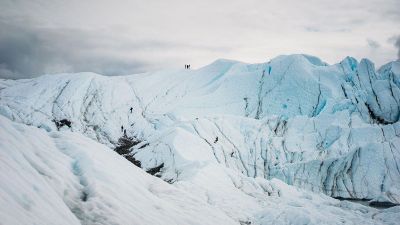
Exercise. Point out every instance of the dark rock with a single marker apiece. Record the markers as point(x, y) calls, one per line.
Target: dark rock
point(125, 144)
point(124, 148)
point(155, 170)
point(61, 123)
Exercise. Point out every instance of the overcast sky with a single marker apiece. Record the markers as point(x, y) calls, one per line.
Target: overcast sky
point(124, 37)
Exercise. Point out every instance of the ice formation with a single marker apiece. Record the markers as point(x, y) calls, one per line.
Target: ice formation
point(224, 136)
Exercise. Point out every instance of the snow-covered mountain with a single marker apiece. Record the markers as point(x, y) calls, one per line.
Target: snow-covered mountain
point(224, 137)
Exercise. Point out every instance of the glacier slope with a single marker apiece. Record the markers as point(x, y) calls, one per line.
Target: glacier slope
point(66, 178)
point(327, 128)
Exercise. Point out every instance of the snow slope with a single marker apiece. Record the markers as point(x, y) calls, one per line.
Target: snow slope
point(66, 178)
point(327, 128)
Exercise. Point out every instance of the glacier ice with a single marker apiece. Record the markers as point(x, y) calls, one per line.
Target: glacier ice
point(66, 178)
point(331, 129)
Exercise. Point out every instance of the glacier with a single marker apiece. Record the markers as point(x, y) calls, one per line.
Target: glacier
point(247, 138)
point(67, 178)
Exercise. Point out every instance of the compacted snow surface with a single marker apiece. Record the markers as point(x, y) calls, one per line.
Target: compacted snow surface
point(230, 143)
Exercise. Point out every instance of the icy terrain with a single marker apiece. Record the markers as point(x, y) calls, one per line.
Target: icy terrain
point(227, 130)
point(66, 178)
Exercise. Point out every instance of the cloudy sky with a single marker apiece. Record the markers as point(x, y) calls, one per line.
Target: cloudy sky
point(124, 37)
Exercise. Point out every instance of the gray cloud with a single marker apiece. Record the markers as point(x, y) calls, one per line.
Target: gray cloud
point(29, 51)
point(131, 36)
point(312, 29)
point(397, 45)
point(395, 40)
point(373, 44)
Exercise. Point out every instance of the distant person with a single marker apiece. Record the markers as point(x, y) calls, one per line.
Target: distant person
point(125, 132)
point(189, 67)
point(131, 109)
point(122, 128)
point(216, 140)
